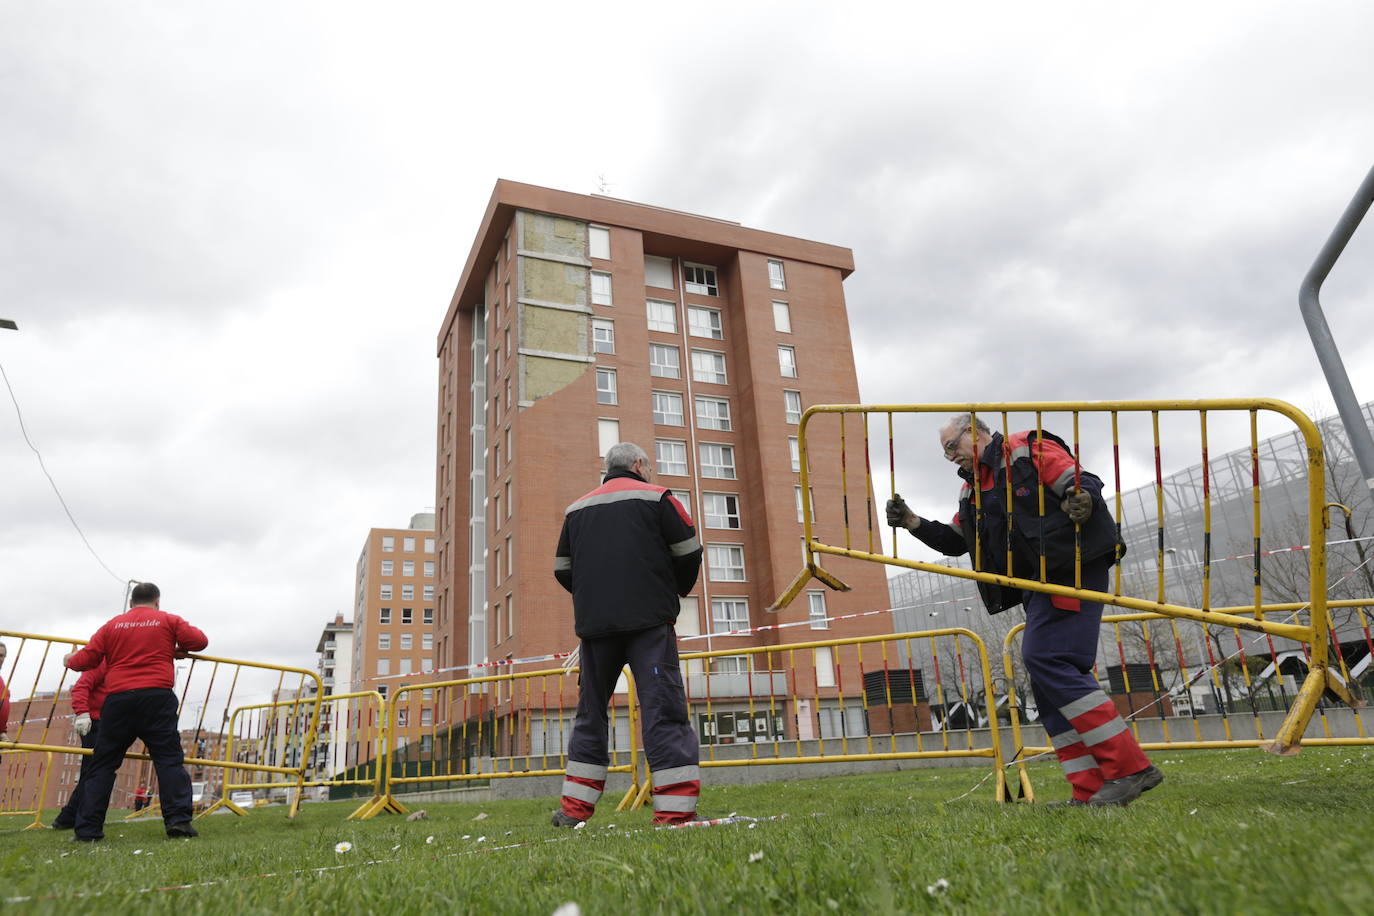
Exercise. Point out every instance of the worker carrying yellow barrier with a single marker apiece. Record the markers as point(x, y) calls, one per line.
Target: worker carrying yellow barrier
point(1028, 492)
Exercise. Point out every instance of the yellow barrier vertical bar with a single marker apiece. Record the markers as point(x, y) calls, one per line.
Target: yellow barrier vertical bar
point(892, 474)
point(1206, 519)
point(844, 483)
point(1007, 497)
point(1014, 715)
point(1154, 678)
point(816, 700)
point(1249, 686)
point(1077, 528)
point(868, 484)
point(1126, 681)
point(796, 700)
point(969, 714)
point(1159, 516)
point(1116, 474)
point(1255, 502)
point(940, 695)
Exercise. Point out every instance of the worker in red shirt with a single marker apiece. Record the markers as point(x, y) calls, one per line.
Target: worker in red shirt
point(88, 695)
point(138, 647)
point(4, 698)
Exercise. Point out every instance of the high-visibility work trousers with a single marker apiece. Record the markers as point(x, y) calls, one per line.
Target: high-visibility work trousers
point(1059, 647)
point(670, 744)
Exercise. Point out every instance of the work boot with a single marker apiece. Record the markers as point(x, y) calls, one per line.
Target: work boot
point(178, 831)
point(61, 825)
point(1123, 791)
point(563, 820)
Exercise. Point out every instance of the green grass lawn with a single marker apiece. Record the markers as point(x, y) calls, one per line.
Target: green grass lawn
point(1228, 832)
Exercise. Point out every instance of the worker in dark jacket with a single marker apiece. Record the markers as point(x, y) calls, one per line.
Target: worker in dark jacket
point(628, 552)
point(138, 647)
point(1072, 537)
point(88, 696)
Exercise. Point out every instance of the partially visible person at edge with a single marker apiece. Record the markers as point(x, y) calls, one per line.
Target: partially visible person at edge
point(1099, 755)
point(88, 695)
point(4, 699)
point(628, 551)
point(138, 647)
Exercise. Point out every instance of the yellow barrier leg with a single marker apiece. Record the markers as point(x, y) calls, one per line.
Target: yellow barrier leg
point(219, 803)
point(1288, 741)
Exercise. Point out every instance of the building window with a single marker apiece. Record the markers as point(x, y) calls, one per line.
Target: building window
point(713, 413)
point(787, 361)
point(382, 689)
point(510, 615)
point(408, 568)
point(383, 667)
point(603, 335)
point(388, 543)
point(708, 366)
point(496, 510)
point(776, 279)
point(717, 461)
point(782, 318)
point(402, 717)
point(426, 641)
point(429, 615)
point(407, 641)
point(407, 615)
point(791, 406)
point(730, 664)
point(729, 614)
point(664, 361)
point(599, 242)
point(510, 557)
point(408, 545)
point(700, 279)
point(798, 493)
point(684, 497)
point(815, 605)
point(429, 542)
point(794, 452)
point(407, 593)
point(671, 457)
point(426, 717)
point(385, 591)
point(662, 316)
point(387, 567)
point(704, 322)
point(726, 562)
point(601, 288)
point(383, 642)
point(658, 272)
point(721, 510)
point(607, 435)
point(668, 408)
point(496, 623)
point(384, 615)
point(429, 570)
point(496, 565)
point(605, 386)
point(825, 667)
point(510, 503)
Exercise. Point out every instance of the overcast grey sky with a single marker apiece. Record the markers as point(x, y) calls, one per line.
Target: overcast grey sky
point(229, 236)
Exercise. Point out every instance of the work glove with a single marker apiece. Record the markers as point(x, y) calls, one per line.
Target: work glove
point(1077, 505)
point(574, 657)
point(4, 736)
point(899, 514)
point(82, 724)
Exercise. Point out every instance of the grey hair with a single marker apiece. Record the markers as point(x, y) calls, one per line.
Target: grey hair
point(623, 455)
point(966, 421)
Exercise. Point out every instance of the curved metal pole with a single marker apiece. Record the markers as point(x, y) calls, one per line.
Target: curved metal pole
point(1327, 354)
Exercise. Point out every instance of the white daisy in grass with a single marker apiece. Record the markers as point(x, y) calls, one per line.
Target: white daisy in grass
point(343, 847)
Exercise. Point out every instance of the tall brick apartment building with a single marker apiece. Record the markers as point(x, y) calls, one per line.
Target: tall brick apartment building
point(393, 620)
point(580, 321)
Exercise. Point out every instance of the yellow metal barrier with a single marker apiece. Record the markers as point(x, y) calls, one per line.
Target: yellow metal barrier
point(1311, 633)
point(352, 727)
point(24, 785)
point(501, 726)
point(207, 690)
point(847, 700)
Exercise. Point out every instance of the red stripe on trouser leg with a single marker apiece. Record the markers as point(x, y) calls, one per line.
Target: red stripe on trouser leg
point(1080, 769)
point(581, 808)
point(669, 799)
point(1108, 738)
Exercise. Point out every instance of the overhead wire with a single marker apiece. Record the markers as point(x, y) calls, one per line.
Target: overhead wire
point(29, 441)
